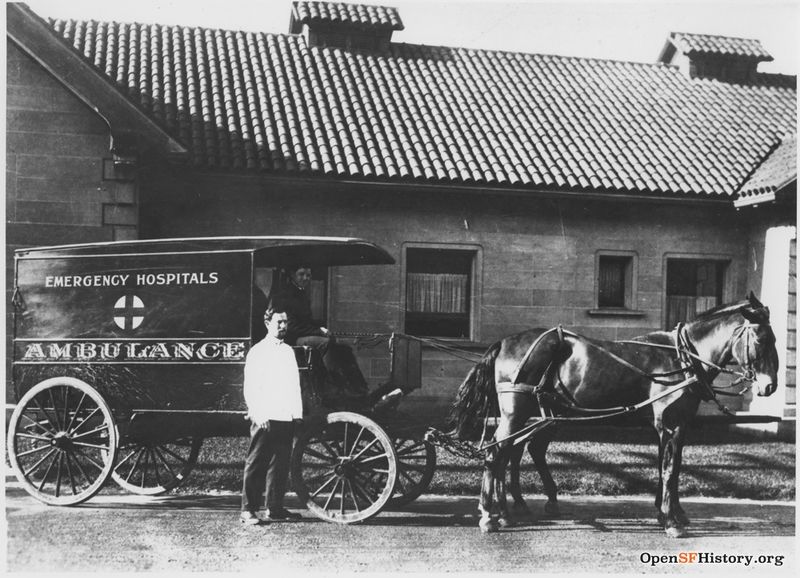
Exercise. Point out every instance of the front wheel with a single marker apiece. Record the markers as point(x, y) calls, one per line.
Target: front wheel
point(344, 468)
point(62, 441)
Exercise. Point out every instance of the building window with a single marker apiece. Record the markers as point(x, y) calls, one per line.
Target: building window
point(439, 292)
point(616, 280)
point(693, 286)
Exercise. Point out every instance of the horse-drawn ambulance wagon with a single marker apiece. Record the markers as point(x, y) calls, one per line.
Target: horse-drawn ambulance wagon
point(127, 354)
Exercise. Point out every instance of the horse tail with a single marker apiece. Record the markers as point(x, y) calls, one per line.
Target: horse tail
point(476, 395)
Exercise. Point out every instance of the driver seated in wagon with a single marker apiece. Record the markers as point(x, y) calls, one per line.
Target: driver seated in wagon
point(339, 371)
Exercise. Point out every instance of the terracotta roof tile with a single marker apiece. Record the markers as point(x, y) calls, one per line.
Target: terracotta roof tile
point(267, 102)
point(777, 170)
point(357, 15)
point(720, 46)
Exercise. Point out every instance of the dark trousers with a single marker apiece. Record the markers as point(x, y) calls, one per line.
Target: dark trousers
point(267, 466)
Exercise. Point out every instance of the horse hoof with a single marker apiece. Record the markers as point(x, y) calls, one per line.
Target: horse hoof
point(676, 532)
point(505, 522)
point(488, 526)
point(551, 509)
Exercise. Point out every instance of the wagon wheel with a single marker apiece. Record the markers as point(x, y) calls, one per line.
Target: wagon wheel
point(416, 464)
point(345, 468)
point(153, 468)
point(62, 441)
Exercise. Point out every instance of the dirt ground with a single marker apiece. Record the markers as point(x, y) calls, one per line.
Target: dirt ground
point(114, 533)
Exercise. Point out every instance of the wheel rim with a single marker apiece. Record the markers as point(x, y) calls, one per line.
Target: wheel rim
point(344, 470)
point(416, 464)
point(153, 468)
point(62, 441)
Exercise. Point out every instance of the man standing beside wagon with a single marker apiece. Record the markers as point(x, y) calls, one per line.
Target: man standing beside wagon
point(274, 406)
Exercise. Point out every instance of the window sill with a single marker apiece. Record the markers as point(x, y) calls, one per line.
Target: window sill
point(611, 312)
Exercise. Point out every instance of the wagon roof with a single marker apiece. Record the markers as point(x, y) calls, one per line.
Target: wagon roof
point(269, 251)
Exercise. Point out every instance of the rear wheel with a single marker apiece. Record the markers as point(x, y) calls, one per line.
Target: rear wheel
point(62, 441)
point(155, 468)
point(416, 464)
point(345, 468)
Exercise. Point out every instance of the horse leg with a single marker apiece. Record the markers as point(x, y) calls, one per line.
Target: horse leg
point(520, 508)
point(680, 437)
point(659, 515)
point(504, 518)
point(671, 442)
point(486, 523)
point(538, 450)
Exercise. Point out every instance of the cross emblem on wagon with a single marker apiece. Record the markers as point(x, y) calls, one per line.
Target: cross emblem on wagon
point(128, 312)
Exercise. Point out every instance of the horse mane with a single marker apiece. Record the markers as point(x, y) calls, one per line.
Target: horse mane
point(720, 310)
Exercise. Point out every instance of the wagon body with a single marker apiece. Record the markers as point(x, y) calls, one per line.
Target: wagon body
point(153, 325)
point(140, 346)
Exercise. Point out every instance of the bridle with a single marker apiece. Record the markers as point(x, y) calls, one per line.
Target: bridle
point(687, 352)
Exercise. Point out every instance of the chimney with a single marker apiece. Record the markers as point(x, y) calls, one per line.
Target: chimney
point(732, 60)
point(349, 26)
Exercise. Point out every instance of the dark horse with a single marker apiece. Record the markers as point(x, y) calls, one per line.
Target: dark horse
point(540, 373)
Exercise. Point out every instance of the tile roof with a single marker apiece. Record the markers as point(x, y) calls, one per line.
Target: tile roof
point(720, 45)
point(357, 15)
point(777, 170)
point(269, 103)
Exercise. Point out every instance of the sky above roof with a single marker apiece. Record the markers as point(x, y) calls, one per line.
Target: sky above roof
point(630, 31)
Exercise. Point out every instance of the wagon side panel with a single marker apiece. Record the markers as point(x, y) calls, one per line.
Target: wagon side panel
point(167, 331)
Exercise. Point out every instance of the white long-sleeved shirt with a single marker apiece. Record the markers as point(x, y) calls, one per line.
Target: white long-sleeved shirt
point(272, 382)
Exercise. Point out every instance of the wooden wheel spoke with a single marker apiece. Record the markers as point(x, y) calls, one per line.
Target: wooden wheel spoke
point(365, 448)
point(77, 410)
point(373, 458)
point(37, 423)
point(318, 455)
point(366, 488)
point(69, 474)
point(33, 437)
point(65, 389)
point(81, 470)
point(157, 453)
point(58, 473)
point(86, 420)
point(35, 450)
point(125, 459)
point(135, 464)
point(357, 440)
point(46, 415)
point(35, 466)
point(352, 493)
point(55, 412)
point(82, 452)
point(332, 494)
point(331, 452)
point(103, 427)
point(316, 492)
point(178, 457)
point(47, 472)
point(95, 446)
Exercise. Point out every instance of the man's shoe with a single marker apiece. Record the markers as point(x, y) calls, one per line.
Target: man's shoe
point(250, 519)
point(283, 514)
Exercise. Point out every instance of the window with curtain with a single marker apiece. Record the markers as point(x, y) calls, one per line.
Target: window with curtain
point(438, 292)
point(693, 286)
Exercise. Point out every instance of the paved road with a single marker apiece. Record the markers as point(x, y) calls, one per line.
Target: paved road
point(435, 534)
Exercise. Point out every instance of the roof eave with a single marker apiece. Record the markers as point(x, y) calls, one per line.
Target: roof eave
point(37, 39)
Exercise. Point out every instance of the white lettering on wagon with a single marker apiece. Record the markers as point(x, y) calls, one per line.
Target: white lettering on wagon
point(139, 280)
point(159, 351)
